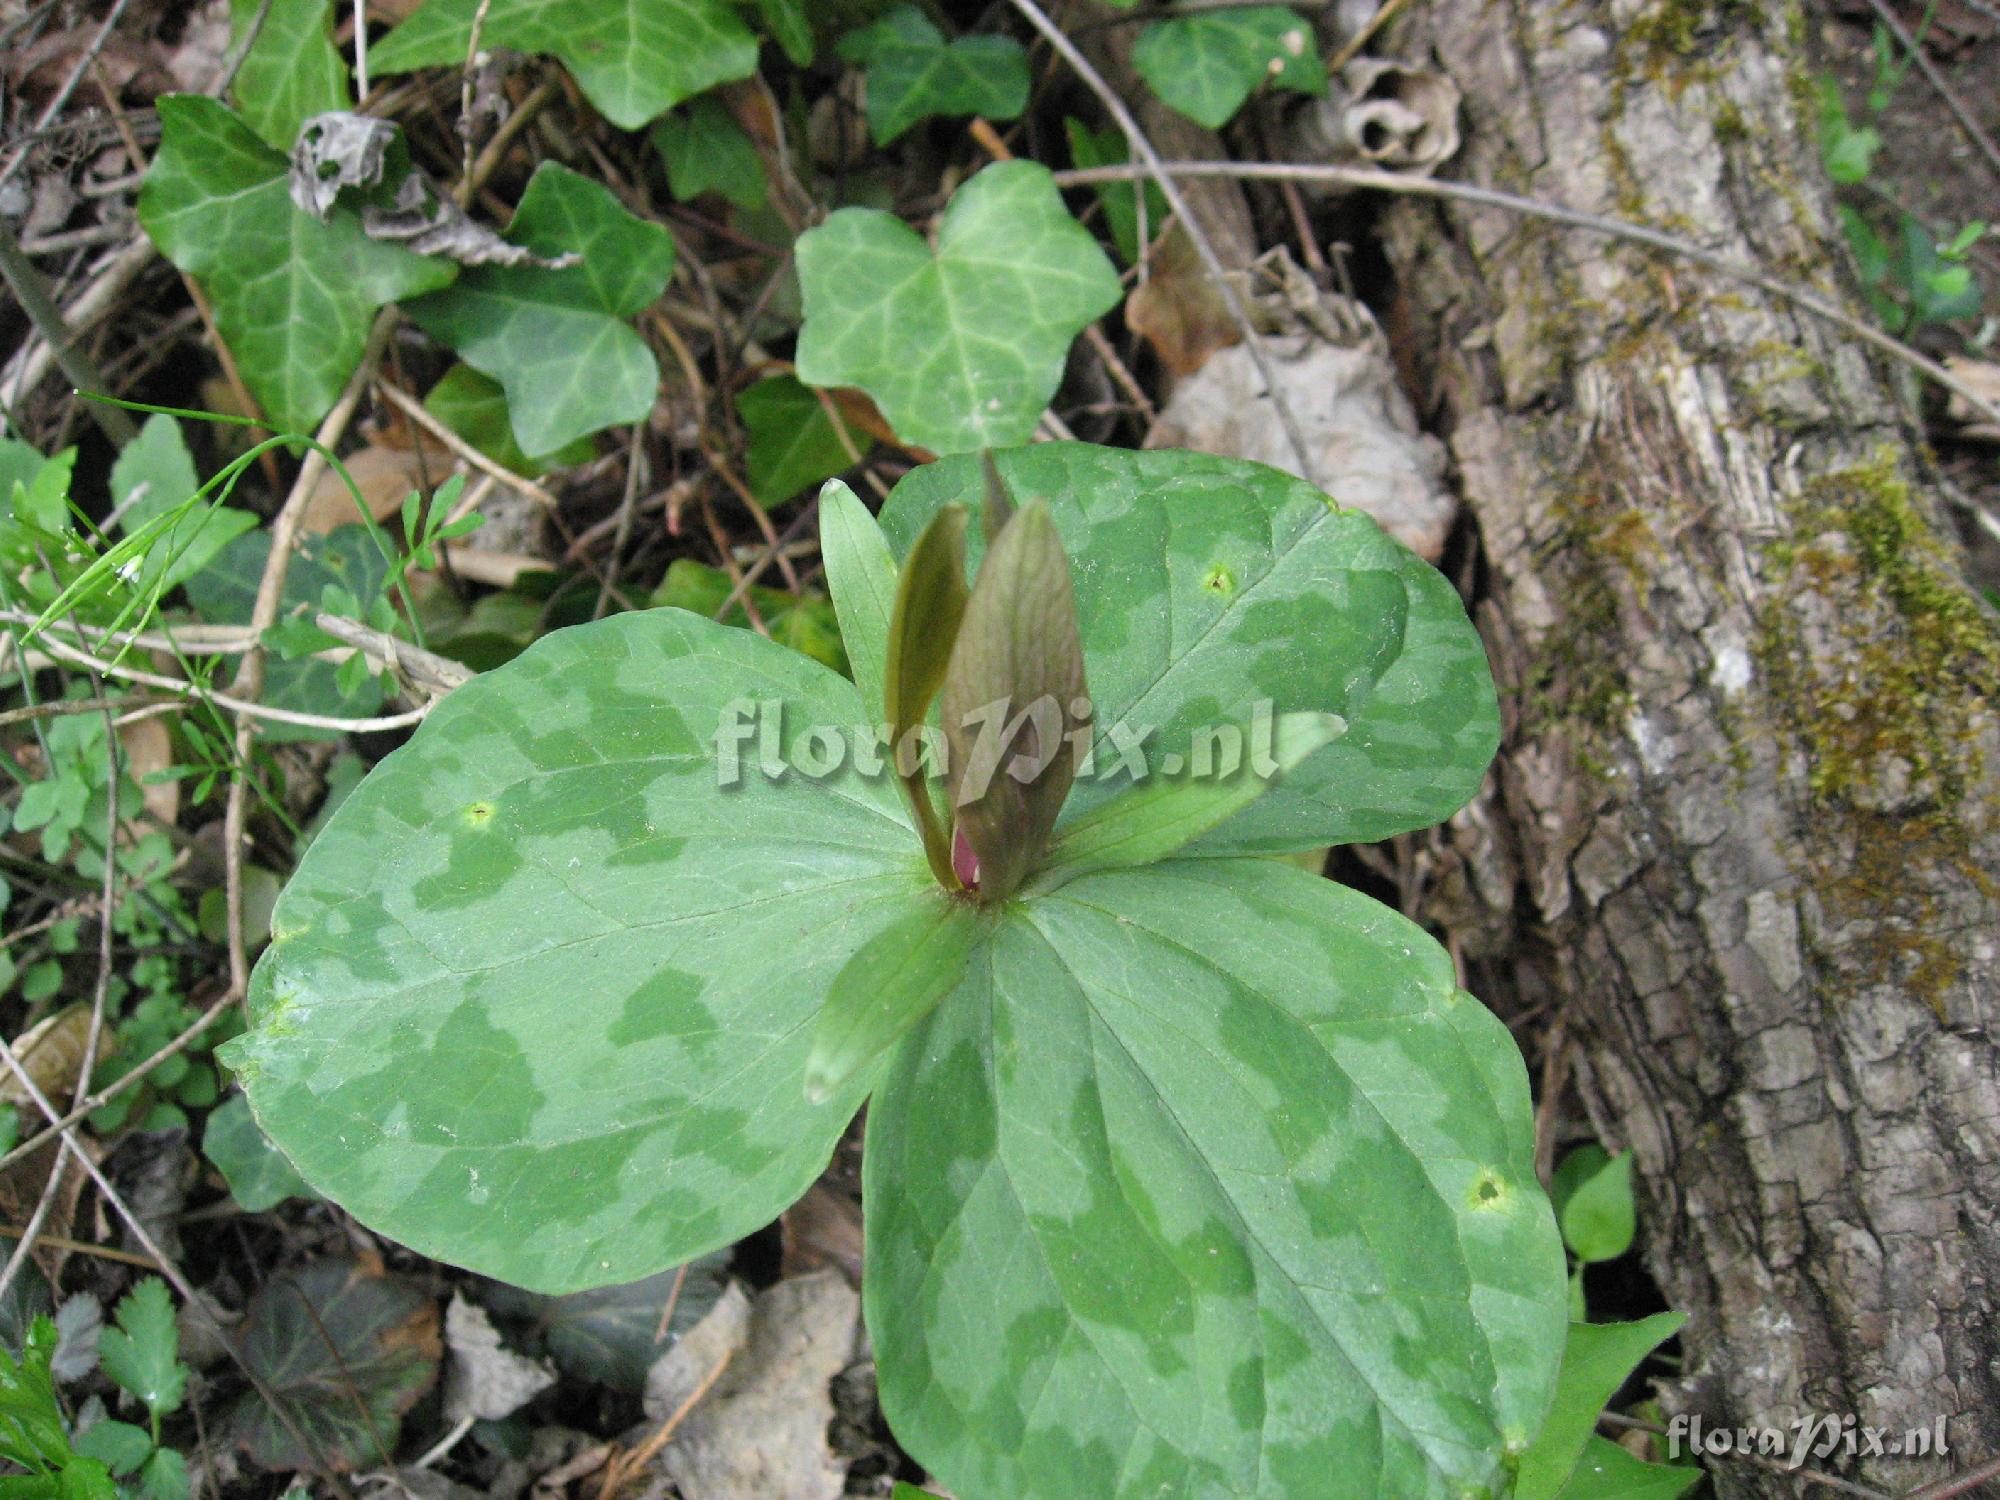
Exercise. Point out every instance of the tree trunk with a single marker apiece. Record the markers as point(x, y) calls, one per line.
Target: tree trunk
point(1743, 831)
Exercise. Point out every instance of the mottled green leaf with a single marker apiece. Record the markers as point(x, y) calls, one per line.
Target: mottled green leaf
point(1164, 814)
point(803, 622)
point(961, 347)
point(625, 957)
point(345, 1351)
point(914, 74)
point(475, 407)
point(1206, 65)
point(158, 461)
point(258, 1175)
point(1596, 1360)
point(293, 297)
point(888, 986)
point(141, 1352)
point(1012, 697)
point(1608, 1472)
point(861, 576)
point(633, 59)
point(1593, 1197)
point(558, 340)
point(291, 72)
point(346, 558)
point(1210, 1180)
point(1205, 585)
point(793, 443)
point(706, 151)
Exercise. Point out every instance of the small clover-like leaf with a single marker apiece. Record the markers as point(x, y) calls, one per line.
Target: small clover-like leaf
point(292, 70)
point(963, 346)
point(293, 297)
point(1206, 65)
point(706, 150)
point(141, 1353)
point(1593, 1197)
point(557, 339)
point(634, 59)
point(914, 74)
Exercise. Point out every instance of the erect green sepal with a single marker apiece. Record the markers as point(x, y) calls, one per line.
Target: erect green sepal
point(861, 577)
point(930, 604)
point(889, 985)
point(1164, 814)
point(1012, 698)
point(999, 507)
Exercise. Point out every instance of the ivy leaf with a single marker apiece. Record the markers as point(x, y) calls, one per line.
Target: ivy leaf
point(475, 407)
point(1206, 65)
point(1120, 200)
point(961, 347)
point(706, 150)
point(557, 340)
point(1208, 1179)
point(802, 621)
point(258, 1175)
point(557, 817)
point(346, 558)
point(291, 72)
point(141, 1352)
point(913, 73)
point(793, 443)
point(159, 460)
point(790, 27)
point(1199, 582)
point(1597, 1359)
point(293, 297)
point(346, 1351)
point(633, 59)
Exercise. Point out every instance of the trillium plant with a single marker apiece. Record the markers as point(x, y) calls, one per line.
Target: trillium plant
point(1187, 1172)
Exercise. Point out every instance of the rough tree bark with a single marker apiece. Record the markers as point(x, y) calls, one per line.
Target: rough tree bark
point(1743, 833)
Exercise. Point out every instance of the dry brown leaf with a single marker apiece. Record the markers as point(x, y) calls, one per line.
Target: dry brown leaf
point(822, 1229)
point(51, 1054)
point(383, 475)
point(149, 748)
point(1984, 378)
point(500, 570)
point(760, 1433)
point(1179, 311)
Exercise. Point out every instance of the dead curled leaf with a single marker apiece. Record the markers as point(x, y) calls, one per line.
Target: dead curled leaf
point(1178, 309)
point(486, 1379)
point(341, 149)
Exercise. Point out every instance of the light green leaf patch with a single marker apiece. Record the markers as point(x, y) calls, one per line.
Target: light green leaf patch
point(258, 1175)
point(961, 347)
point(1205, 586)
point(914, 74)
point(633, 59)
point(565, 1045)
point(291, 72)
point(1206, 65)
point(557, 340)
point(293, 297)
point(1209, 1180)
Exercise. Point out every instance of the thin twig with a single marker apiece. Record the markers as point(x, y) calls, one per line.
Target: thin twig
point(26, 284)
point(1465, 192)
point(1810, 1476)
point(1157, 169)
point(62, 95)
point(618, 1473)
point(1962, 1484)
point(59, 707)
point(78, 1247)
point(417, 412)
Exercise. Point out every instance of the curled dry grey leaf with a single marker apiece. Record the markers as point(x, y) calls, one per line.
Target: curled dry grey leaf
point(485, 1379)
point(1332, 363)
point(1387, 114)
point(342, 149)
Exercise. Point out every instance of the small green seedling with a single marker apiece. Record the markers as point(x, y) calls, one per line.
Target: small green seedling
point(1186, 1171)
